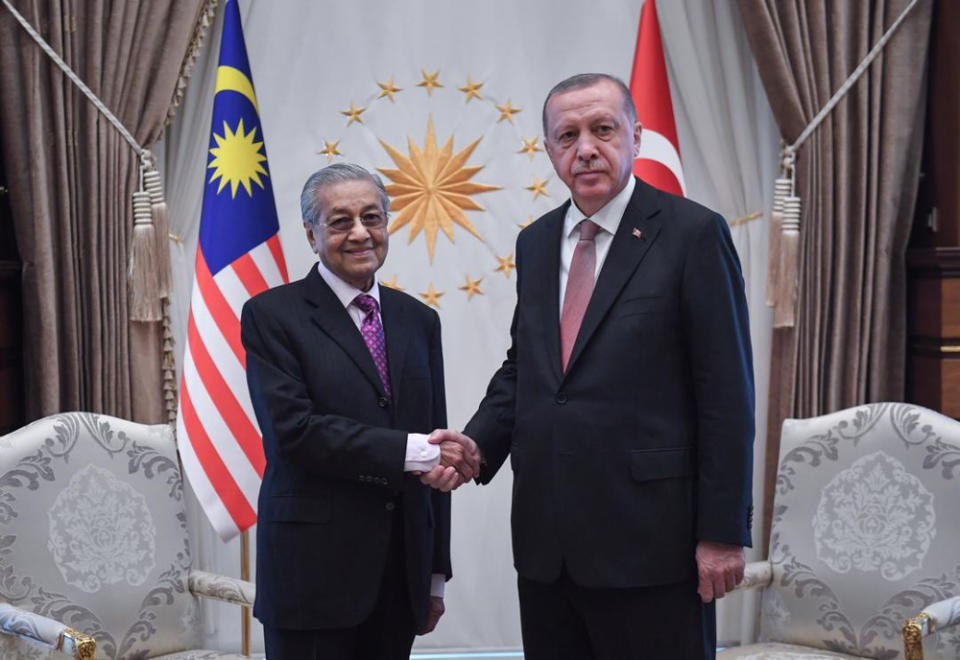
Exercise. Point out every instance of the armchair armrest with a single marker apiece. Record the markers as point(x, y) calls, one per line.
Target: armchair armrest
point(756, 574)
point(933, 618)
point(221, 587)
point(47, 632)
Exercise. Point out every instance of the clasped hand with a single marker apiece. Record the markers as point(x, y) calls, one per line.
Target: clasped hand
point(459, 460)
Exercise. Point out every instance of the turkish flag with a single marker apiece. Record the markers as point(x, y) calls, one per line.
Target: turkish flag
point(659, 161)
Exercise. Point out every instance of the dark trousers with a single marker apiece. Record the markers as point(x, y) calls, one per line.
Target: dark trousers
point(386, 634)
point(564, 621)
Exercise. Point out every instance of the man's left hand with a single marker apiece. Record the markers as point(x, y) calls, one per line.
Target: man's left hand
point(720, 568)
point(436, 611)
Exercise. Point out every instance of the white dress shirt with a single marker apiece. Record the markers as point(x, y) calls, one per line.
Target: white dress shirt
point(607, 218)
point(421, 456)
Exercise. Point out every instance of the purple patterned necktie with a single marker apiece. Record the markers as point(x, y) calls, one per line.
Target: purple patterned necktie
point(372, 333)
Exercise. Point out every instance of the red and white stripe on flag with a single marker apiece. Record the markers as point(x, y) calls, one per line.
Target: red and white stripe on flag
point(659, 161)
point(217, 432)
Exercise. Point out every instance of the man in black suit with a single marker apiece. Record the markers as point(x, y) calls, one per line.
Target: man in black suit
point(346, 377)
point(625, 402)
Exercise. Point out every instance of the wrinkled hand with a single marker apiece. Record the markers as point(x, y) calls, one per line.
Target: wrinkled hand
point(720, 568)
point(442, 478)
point(457, 451)
point(436, 611)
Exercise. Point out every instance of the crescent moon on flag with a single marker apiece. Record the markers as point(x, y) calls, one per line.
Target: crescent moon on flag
point(234, 80)
point(654, 146)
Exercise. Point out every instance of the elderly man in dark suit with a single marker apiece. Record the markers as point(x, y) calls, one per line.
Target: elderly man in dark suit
point(346, 379)
point(625, 402)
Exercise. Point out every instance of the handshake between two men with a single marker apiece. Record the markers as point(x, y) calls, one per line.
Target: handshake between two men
point(459, 460)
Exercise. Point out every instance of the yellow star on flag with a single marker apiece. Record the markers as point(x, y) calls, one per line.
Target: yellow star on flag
point(330, 149)
point(429, 81)
point(392, 283)
point(507, 111)
point(353, 112)
point(530, 146)
point(538, 187)
point(524, 225)
point(506, 265)
point(432, 188)
point(237, 159)
point(431, 296)
point(471, 89)
point(472, 287)
point(389, 89)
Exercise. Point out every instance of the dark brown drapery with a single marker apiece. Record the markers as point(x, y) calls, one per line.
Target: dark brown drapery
point(71, 178)
point(857, 176)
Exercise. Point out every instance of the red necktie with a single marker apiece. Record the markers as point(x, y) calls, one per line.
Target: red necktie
point(579, 288)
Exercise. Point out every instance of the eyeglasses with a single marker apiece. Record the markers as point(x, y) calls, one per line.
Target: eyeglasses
point(344, 224)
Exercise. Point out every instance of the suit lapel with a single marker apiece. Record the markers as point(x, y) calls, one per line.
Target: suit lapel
point(626, 252)
point(551, 286)
point(335, 321)
point(397, 334)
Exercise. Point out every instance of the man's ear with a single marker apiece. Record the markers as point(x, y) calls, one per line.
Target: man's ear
point(311, 237)
point(637, 131)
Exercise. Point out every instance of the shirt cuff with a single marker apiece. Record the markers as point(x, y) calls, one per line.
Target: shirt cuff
point(437, 584)
point(421, 455)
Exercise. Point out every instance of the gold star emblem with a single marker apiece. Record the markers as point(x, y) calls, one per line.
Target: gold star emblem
point(538, 187)
point(392, 283)
point(530, 146)
point(353, 112)
point(431, 296)
point(429, 81)
point(471, 89)
point(507, 111)
point(237, 159)
point(432, 188)
point(389, 89)
point(330, 149)
point(472, 287)
point(524, 225)
point(506, 265)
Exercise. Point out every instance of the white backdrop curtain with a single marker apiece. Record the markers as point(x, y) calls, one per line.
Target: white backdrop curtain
point(311, 60)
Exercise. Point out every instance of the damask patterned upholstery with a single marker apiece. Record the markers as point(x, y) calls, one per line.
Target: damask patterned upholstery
point(93, 535)
point(865, 534)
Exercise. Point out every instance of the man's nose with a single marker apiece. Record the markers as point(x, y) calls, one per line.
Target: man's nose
point(586, 147)
point(358, 232)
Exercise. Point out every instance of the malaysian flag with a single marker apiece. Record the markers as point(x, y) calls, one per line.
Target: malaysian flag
point(659, 161)
point(238, 256)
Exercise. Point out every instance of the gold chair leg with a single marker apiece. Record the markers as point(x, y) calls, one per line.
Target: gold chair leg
point(913, 633)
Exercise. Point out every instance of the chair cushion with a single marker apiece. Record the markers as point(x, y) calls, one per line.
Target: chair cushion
point(776, 651)
point(866, 526)
point(93, 532)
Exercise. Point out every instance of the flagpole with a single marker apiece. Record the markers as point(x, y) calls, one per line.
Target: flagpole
point(245, 575)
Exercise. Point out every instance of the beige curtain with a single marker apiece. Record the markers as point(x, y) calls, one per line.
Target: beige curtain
point(857, 176)
point(71, 176)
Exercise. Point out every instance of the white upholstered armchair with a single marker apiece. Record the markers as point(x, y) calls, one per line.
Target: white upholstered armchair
point(94, 552)
point(865, 535)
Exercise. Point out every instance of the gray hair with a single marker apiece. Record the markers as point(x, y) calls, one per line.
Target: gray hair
point(582, 80)
point(310, 200)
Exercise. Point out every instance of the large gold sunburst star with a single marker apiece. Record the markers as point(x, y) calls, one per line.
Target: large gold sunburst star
point(432, 188)
point(237, 159)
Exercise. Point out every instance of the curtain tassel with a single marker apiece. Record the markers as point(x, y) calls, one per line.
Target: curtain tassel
point(161, 224)
point(781, 190)
point(142, 268)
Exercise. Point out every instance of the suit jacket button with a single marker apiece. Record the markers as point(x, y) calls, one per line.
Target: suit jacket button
point(391, 506)
point(382, 402)
point(561, 398)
